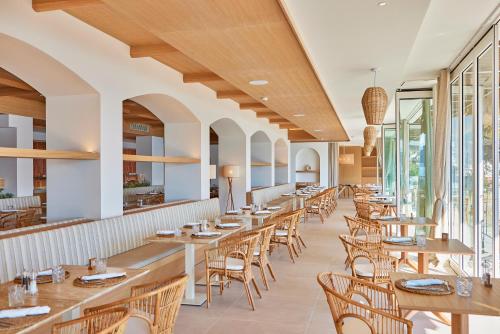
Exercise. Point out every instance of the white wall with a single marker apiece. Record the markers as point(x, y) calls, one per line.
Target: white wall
point(261, 151)
point(321, 149)
point(17, 131)
point(84, 59)
point(154, 172)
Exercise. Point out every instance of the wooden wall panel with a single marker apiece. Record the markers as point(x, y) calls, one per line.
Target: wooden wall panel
point(351, 174)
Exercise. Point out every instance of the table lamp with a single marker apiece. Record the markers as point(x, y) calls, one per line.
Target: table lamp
point(230, 172)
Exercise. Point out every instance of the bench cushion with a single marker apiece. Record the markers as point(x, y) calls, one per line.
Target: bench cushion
point(143, 256)
point(264, 195)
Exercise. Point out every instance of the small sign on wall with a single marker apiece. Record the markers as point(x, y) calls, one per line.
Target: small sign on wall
point(141, 127)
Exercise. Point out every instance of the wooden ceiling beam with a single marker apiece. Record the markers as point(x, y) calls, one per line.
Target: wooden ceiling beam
point(252, 105)
point(12, 91)
point(151, 50)
point(22, 107)
point(201, 77)
point(279, 121)
point(288, 126)
point(10, 80)
point(230, 94)
point(267, 114)
point(300, 135)
point(48, 5)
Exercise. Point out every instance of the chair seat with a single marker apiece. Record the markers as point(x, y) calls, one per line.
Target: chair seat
point(256, 252)
point(136, 325)
point(364, 270)
point(314, 207)
point(281, 233)
point(231, 264)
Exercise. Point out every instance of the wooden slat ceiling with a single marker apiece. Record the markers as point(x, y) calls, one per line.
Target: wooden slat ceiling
point(222, 44)
point(19, 98)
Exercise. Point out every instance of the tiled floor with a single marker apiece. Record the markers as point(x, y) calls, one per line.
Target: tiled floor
point(295, 303)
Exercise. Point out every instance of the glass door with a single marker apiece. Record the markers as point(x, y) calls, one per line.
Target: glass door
point(389, 159)
point(414, 117)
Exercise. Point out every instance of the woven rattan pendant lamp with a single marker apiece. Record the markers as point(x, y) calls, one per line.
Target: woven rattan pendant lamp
point(374, 103)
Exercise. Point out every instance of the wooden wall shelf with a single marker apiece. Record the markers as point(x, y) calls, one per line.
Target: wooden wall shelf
point(261, 164)
point(9, 152)
point(161, 159)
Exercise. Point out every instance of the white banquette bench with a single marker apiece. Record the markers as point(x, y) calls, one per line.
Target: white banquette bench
point(264, 195)
point(24, 202)
point(120, 238)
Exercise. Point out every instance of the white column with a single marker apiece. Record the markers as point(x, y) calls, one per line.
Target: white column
point(184, 181)
point(153, 146)
point(17, 131)
point(84, 188)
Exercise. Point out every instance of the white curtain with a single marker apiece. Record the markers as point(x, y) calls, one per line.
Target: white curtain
point(441, 148)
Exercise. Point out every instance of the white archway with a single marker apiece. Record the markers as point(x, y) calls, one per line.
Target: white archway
point(280, 162)
point(307, 164)
point(261, 160)
point(231, 151)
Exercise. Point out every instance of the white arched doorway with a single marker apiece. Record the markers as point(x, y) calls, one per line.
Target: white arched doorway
point(280, 162)
point(261, 157)
point(307, 164)
point(231, 151)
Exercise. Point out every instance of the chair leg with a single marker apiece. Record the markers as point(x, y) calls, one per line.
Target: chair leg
point(209, 287)
point(263, 276)
point(249, 294)
point(295, 250)
point(256, 287)
point(290, 252)
point(302, 242)
point(298, 244)
point(271, 271)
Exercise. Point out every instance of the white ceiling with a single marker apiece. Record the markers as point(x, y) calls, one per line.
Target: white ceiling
point(406, 39)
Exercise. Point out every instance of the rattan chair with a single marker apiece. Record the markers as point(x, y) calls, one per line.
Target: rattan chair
point(110, 321)
point(361, 307)
point(360, 227)
point(314, 206)
point(232, 259)
point(367, 259)
point(153, 307)
point(284, 232)
point(25, 218)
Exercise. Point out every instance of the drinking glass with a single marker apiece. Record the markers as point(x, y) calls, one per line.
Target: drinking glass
point(421, 237)
point(58, 275)
point(464, 286)
point(16, 295)
point(100, 266)
point(203, 225)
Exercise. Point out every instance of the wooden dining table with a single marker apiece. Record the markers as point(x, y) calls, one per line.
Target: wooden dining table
point(483, 301)
point(64, 299)
point(450, 246)
point(190, 244)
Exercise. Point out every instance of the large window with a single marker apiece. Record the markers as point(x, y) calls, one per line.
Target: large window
point(473, 161)
point(415, 114)
point(389, 159)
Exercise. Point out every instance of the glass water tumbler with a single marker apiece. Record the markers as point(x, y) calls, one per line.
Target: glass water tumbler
point(101, 266)
point(464, 286)
point(16, 295)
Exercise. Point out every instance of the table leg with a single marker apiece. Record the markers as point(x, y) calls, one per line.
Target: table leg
point(404, 233)
point(423, 263)
point(190, 295)
point(459, 323)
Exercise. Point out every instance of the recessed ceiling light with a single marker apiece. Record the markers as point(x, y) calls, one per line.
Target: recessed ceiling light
point(259, 82)
point(382, 3)
point(264, 99)
point(299, 115)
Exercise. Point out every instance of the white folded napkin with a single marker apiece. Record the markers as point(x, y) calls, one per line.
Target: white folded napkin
point(192, 224)
point(400, 239)
point(262, 212)
point(9, 210)
point(386, 218)
point(287, 194)
point(246, 207)
point(228, 225)
point(23, 312)
point(207, 234)
point(423, 282)
point(102, 276)
point(47, 272)
point(231, 211)
point(273, 207)
point(165, 232)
